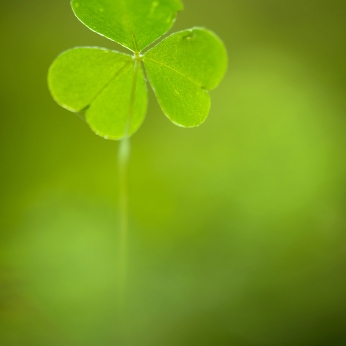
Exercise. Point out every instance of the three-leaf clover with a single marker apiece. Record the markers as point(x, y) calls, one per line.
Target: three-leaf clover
point(111, 86)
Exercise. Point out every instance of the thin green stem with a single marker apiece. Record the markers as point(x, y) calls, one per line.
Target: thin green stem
point(123, 164)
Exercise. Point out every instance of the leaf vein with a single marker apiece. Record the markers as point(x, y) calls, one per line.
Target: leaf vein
point(116, 74)
point(176, 71)
point(129, 26)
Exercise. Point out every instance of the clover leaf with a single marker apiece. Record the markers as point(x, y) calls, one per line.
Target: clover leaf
point(110, 87)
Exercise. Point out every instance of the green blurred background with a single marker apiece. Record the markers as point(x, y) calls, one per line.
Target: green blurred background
point(237, 228)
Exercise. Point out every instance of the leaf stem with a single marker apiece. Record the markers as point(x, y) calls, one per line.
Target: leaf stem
point(124, 154)
point(123, 166)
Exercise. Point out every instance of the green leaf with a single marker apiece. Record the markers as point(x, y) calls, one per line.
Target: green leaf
point(181, 69)
point(76, 77)
point(109, 85)
point(109, 113)
point(134, 24)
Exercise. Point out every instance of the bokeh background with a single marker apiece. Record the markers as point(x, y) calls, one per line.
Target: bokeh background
point(237, 228)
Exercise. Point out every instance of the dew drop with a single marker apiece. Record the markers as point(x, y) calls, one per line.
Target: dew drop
point(190, 36)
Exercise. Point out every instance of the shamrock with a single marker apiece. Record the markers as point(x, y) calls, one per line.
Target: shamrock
point(110, 87)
